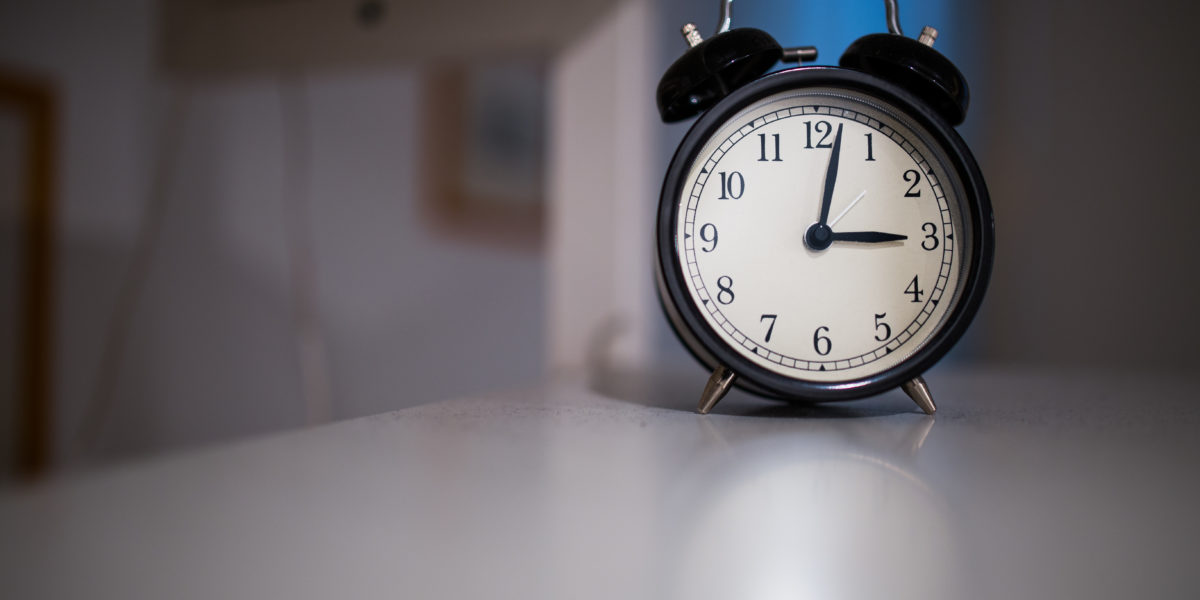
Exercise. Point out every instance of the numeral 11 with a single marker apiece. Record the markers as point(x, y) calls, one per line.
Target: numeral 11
point(762, 145)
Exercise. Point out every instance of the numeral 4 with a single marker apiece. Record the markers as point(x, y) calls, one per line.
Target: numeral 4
point(914, 290)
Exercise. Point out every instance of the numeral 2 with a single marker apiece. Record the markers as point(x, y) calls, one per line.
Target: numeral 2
point(915, 178)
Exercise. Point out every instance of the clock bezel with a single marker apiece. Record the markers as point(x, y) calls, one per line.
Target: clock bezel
point(708, 347)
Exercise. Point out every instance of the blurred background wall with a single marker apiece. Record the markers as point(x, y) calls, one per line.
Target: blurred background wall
point(258, 112)
point(1090, 140)
point(409, 314)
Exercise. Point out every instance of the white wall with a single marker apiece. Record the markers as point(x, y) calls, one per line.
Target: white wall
point(603, 191)
point(408, 317)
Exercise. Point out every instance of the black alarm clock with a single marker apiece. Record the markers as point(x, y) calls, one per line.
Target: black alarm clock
point(823, 233)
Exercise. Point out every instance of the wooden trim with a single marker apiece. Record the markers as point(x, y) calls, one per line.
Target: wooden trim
point(33, 100)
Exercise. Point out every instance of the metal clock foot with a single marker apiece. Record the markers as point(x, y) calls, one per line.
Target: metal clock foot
point(718, 385)
point(919, 392)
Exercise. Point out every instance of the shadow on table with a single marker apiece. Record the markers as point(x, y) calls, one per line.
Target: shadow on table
point(677, 388)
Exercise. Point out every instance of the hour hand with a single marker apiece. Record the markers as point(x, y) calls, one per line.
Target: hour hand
point(867, 237)
point(831, 172)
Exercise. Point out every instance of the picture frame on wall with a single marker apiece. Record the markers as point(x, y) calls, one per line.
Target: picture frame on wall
point(483, 151)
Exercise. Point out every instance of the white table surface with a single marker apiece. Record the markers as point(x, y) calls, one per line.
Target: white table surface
point(1024, 485)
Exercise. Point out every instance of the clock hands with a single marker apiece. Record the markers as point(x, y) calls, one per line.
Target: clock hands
point(830, 178)
point(820, 234)
point(867, 237)
point(843, 213)
point(864, 237)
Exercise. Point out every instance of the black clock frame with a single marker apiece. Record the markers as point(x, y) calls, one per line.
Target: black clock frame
point(687, 320)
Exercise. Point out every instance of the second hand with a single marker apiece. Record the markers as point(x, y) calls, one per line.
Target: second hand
point(847, 209)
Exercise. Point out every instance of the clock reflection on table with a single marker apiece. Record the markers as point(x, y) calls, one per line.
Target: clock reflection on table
point(829, 502)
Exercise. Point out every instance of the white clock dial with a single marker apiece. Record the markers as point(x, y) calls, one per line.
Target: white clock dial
point(821, 284)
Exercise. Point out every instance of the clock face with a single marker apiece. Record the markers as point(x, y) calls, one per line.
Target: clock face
point(820, 235)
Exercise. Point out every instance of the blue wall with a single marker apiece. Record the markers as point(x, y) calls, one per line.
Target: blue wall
point(831, 25)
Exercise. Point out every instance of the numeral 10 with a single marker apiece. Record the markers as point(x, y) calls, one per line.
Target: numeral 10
point(733, 185)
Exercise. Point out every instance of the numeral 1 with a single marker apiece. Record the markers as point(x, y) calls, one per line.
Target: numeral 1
point(870, 148)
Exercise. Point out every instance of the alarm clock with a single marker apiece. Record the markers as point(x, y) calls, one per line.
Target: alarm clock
point(823, 233)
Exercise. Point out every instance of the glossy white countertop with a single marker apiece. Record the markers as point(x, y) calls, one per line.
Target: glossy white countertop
point(1024, 485)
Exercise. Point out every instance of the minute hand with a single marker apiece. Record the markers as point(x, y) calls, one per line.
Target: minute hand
point(831, 177)
point(867, 237)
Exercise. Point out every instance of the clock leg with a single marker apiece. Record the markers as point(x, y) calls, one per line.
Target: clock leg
point(919, 392)
point(718, 385)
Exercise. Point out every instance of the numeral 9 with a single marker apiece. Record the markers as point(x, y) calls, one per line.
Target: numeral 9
point(708, 233)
